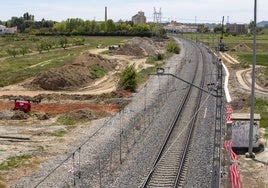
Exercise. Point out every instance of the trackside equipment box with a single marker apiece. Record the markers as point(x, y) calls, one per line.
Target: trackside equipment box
point(240, 130)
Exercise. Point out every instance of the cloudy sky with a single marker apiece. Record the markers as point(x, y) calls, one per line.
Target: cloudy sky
point(238, 11)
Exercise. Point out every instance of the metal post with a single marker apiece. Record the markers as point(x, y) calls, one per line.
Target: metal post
point(100, 173)
point(252, 102)
point(120, 139)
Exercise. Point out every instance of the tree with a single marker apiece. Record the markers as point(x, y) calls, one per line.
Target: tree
point(141, 30)
point(79, 41)
point(27, 16)
point(110, 26)
point(24, 50)
point(63, 42)
point(217, 29)
point(60, 27)
point(13, 52)
point(128, 79)
point(40, 48)
point(46, 45)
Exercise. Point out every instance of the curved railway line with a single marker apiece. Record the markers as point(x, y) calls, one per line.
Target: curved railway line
point(170, 166)
point(121, 152)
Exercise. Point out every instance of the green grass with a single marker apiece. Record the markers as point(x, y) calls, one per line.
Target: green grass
point(261, 59)
point(266, 134)
point(212, 40)
point(157, 61)
point(245, 58)
point(59, 133)
point(96, 71)
point(14, 70)
point(262, 109)
point(14, 162)
point(143, 75)
point(66, 120)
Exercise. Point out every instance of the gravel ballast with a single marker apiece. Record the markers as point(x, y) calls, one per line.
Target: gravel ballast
point(119, 151)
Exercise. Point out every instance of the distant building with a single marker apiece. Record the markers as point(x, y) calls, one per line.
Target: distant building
point(139, 18)
point(237, 28)
point(5, 30)
point(175, 27)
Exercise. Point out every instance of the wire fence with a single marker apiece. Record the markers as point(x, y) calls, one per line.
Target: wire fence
point(96, 165)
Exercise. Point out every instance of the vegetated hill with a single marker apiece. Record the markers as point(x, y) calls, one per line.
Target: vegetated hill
point(142, 47)
point(262, 23)
point(84, 69)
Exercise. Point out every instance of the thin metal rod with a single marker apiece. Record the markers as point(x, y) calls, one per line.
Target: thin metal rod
point(252, 101)
point(169, 74)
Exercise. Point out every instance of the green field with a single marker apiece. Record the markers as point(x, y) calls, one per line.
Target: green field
point(233, 41)
point(18, 68)
point(244, 56)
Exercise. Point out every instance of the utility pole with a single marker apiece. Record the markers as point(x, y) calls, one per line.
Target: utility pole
point(252, 101)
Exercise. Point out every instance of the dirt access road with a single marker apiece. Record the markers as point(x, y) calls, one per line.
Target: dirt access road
point(242, 78)
point(253, 173)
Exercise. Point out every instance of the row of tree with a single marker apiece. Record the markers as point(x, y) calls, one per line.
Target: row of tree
point(47, 45)
point(77, 26)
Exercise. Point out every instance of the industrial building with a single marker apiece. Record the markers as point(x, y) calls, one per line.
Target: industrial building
point(237, 28)
point(174, 27)
point(139, 18)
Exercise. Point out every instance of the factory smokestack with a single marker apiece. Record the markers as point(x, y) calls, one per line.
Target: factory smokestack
point(105, 13)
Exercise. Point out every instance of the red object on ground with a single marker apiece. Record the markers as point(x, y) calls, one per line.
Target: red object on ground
point(228, 148)
point(235, 180)
point(24, 106)
point(233, 169)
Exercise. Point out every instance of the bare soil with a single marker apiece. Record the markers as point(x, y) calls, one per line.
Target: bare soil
point(253, 172)
point(69, 92)
point(74, 75)
point(242, 47)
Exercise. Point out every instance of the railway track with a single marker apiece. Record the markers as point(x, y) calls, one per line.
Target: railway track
point(170, 166)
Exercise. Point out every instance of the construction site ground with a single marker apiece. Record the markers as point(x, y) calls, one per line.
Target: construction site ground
point(47, 131)
point(70, 101)
point(253, 172)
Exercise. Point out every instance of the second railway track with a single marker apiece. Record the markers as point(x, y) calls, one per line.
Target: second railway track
point(170, 166)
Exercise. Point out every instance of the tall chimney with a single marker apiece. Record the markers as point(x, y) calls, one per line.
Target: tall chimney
point(105, 13)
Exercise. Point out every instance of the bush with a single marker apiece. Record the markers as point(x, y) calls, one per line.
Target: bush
point(172, 47)
point(96, 71)
point(128, 79)
point(159, 57)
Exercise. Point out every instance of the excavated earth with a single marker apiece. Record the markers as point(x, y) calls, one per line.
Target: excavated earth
point(65, 95)
point(73, 75)
point(70, 96)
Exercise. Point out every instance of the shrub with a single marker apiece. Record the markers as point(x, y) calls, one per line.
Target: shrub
point(96, 71)
point(172, 47)
point(128, 79)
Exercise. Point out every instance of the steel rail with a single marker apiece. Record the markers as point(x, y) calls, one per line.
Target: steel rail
point(193, 122)
point(173, 124)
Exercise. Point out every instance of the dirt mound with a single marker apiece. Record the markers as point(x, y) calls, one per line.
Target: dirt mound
point(15, 115)
point(242, 47)
point(84, 69)
point(141, 47)
point(6, 114)
point(81, 114)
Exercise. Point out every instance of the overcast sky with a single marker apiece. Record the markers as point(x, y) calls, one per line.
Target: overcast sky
point(238, 11)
